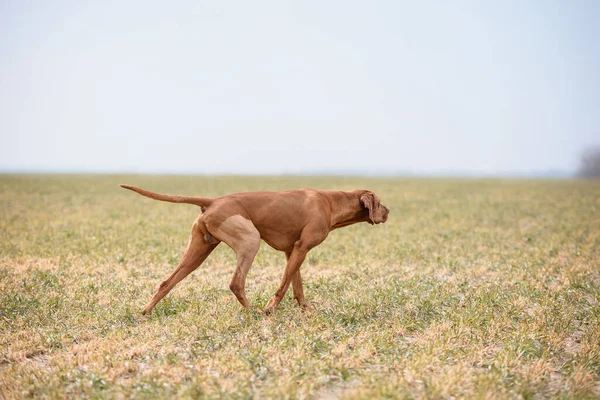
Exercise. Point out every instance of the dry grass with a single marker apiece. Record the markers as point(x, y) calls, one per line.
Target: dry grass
point(473, 289)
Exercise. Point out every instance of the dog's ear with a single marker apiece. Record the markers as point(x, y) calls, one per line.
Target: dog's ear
point(369, 201)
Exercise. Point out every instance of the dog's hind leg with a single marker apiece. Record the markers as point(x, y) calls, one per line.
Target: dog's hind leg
point(199, 247)
point(242, 236)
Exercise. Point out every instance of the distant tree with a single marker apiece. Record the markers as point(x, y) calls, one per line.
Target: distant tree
point(590, 164)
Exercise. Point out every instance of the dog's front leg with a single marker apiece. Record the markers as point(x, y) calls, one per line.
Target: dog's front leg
point(297, 286)
point(293, 266)
point(311, 237)
point(298, 289)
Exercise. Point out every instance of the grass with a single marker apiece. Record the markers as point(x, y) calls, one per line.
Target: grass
point(473, 289)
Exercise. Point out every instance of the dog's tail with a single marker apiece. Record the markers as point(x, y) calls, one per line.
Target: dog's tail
point(198, 201)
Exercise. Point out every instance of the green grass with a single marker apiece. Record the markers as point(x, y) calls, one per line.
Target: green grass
point(472, 289)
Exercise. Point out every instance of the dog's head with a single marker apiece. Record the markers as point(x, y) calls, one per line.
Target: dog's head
point(378, 213)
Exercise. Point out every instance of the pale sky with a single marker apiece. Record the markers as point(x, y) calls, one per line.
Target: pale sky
point(476, 87)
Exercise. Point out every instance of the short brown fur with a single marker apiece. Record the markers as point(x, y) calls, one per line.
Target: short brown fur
point(293, 221)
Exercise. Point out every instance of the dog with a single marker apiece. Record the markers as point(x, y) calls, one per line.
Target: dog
point(293, 222)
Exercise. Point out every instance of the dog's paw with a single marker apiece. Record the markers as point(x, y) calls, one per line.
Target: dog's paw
point(308, 307)
point(269, 310)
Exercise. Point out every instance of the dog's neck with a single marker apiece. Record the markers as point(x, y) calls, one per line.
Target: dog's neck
point(346, 209)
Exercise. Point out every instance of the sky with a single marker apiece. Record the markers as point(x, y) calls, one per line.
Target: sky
point(280, 87)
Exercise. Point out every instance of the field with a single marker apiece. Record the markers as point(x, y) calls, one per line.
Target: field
point(472, 289)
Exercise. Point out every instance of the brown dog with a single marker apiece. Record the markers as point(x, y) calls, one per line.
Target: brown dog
point(294, 222)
